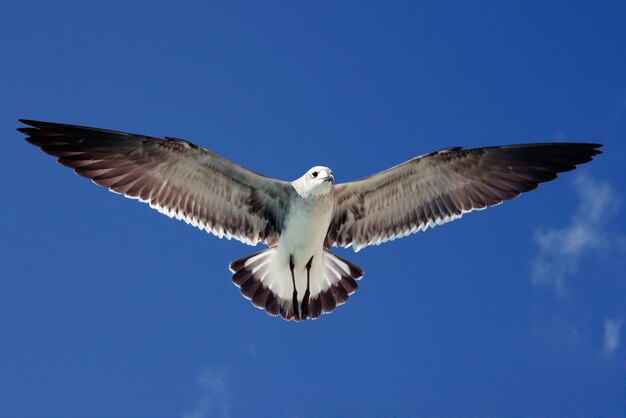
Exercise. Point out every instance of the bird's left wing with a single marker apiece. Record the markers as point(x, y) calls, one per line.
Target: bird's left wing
point(173, 176)
point(436, 188)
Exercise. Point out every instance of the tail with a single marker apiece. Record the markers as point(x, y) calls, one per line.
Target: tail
point(268, 285)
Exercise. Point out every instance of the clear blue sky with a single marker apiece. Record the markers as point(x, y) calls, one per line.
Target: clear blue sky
point(109, 309)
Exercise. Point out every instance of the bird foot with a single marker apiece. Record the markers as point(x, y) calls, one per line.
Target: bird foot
point(304, 308)
point(294, 301)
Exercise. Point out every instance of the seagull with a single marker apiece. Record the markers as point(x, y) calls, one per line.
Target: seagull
point(297, 276)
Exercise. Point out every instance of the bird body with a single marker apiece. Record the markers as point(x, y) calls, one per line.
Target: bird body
point(308, 216)
point(297, 276)
point(301, 244)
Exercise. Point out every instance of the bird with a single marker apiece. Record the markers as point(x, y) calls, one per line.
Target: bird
point(298, 277)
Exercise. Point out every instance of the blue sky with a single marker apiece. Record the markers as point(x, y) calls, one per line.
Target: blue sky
point(109, 309)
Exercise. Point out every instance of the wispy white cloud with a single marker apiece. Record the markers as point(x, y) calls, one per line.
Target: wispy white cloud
point(214, 399)
point(560, 250)
point(612, 329)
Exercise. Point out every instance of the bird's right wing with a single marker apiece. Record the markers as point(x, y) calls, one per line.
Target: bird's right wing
point(173, 176)
point(441, 186)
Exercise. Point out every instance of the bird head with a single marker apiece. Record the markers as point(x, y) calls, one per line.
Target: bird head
point(318, 180)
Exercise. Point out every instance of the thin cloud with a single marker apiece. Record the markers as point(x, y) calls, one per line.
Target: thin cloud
point(214, 399)
point(612, 328)
point(560, 250)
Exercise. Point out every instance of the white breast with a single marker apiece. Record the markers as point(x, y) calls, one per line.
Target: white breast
point(305, 228)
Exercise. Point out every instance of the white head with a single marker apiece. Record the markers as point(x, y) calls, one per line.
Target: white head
point(318, 180)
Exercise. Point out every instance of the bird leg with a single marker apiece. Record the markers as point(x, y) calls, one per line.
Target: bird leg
point(305, 300)
point(295, 291)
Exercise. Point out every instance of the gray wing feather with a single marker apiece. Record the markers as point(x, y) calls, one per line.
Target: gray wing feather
point(436, 188)
point(173, 176)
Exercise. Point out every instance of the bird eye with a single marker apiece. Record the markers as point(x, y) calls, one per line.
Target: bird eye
point(314, 174)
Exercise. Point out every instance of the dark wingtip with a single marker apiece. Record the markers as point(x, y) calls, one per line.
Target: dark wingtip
point(31, 130)
point(30, 122)
point(596, 147)
point(23, 129)
point(37, 124)
point(593, 147)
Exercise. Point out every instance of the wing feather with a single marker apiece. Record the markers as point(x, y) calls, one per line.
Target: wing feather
point(442, 186)
point(173, 176)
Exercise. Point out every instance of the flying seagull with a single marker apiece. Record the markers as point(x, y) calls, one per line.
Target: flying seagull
point(297, 276)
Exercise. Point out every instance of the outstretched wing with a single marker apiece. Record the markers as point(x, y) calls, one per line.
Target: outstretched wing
point(439, 187)
point(174, 176)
